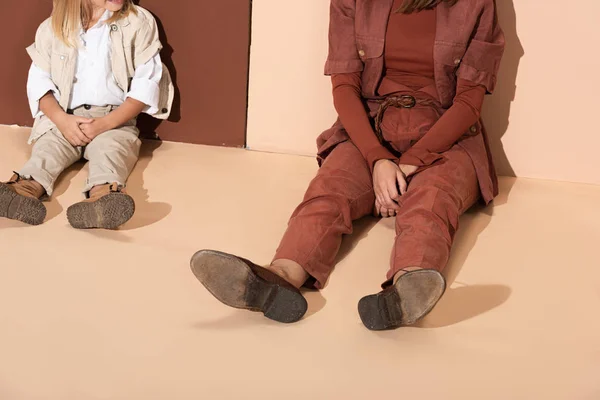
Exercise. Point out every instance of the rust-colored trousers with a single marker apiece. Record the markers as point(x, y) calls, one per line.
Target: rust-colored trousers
point(342, 192)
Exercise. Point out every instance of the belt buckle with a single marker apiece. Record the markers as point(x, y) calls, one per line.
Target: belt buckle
point(407, 101)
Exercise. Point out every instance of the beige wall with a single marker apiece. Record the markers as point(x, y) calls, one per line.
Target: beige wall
point(543, 119)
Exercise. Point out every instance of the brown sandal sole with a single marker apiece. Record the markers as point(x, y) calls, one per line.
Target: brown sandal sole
point(108, 212)
point(21, 208)
point(413, 297)
point(234, 283)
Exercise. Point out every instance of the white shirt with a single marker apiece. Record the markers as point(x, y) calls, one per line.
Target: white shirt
point(94, 82)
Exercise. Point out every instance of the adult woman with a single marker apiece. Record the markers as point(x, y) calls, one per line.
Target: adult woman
point(409, 77)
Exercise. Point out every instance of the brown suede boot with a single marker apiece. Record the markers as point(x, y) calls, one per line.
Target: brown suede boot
point(20, 200)
point(405, 302)
point(240, 283)
point(108, 207)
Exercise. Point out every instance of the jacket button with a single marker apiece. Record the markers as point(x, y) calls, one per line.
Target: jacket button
point(87, 106)
point(474, 129)
point(164, 110)
point(114, 28)
point(62, 57)
point(361, 53)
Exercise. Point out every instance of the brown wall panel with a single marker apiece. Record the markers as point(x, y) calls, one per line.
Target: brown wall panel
point(18, 23)
point(205, 47)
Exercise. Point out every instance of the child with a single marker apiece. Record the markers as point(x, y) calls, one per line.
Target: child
point(96, 66)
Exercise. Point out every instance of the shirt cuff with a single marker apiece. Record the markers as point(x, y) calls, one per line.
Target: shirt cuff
point(419, 158)
point(35, 95)
point(147, 92)
point(378, 153)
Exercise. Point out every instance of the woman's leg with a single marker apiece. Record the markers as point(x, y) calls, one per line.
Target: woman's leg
point(430, 211)
point(425, 225)
point(341, 192)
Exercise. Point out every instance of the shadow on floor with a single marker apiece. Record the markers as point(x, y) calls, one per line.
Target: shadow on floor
point(316, 302)
point(146, 212)
point(465, 302)
point(240, 319)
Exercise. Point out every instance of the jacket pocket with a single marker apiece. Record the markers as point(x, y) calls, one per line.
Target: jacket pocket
point(447, 58)
point(58, 63)
point(450, 54)
point(41, 126)
point(369, 48)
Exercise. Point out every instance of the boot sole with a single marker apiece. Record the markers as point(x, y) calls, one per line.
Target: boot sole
point(21, 208)
point(233, 283)
point(415, 295)
point(109, 212)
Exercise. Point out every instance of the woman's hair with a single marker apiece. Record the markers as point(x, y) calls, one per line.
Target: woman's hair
point(68, 16)
point(410, 6)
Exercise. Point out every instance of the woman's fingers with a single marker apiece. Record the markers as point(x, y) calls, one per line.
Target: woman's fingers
point(378, 209)
point(401, 182)
point(393, 194)
point(383, 211)
point(384, 196)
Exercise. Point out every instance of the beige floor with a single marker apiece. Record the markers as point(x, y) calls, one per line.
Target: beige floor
point(118, 315)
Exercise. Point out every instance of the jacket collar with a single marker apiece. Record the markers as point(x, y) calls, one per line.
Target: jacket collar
point(123, 21)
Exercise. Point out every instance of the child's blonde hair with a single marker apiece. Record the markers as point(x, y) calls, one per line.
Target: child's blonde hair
point(68, 16)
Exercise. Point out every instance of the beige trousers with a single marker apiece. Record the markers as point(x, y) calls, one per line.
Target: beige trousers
point(111, 155)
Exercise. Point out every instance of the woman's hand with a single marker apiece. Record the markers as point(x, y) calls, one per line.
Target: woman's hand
point(408, 170)
point(69, 126)
point(387, 179)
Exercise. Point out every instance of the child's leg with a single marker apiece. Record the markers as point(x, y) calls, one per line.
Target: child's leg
point(112, 156)
point(50, 156)
point(20, 197)
point(20, 200)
